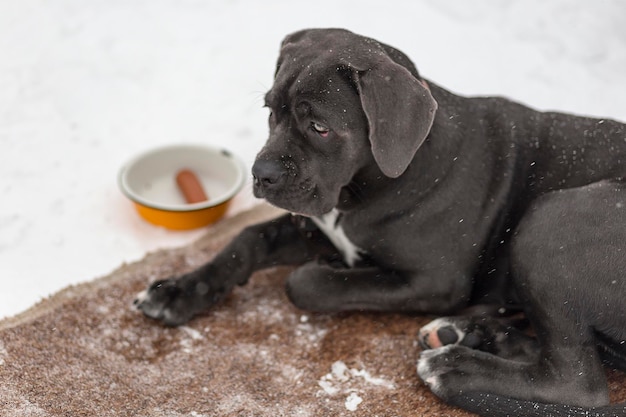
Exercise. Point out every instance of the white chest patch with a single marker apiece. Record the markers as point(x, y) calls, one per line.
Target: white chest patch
point(328, 225)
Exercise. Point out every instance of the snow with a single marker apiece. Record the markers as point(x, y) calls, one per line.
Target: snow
point(343, 380)
point(353, 401)
point(88, 85)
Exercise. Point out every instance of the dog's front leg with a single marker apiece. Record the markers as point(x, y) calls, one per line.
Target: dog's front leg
point(322, 288)
point(276, 242)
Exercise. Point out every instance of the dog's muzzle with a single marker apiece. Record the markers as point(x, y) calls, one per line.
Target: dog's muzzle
point(268, 176)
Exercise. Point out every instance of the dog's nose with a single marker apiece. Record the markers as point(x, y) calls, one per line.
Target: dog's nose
point(268, 173)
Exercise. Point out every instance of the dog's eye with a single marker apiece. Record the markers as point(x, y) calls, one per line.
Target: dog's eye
point(320, 129)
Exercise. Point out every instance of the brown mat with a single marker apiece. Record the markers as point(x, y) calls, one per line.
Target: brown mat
point(85, 352)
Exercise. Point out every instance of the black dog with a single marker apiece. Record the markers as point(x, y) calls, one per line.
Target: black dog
point(409, 198)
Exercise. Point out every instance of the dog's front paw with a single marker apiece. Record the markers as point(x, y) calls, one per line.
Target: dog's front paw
point(175, 301)
point(434, 368)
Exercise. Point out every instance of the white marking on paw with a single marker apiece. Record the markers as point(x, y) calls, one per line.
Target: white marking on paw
point(433, 325)
point(327, 223)
point(429, 374)
point(422, 367)
point(141, 297)
point(437, 324)
point(434, 384)
point(423, 364)
point(424, 372)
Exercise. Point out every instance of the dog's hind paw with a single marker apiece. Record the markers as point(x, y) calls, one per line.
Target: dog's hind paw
point(437, 369)
point(426, 372)
point(487, 334)
point(452, 331)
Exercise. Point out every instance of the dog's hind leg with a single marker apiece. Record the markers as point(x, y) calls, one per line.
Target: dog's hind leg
point(568, 262)
point(566, 379)
point(567, 370)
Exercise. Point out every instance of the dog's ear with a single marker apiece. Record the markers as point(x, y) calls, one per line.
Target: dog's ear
point(400, 111)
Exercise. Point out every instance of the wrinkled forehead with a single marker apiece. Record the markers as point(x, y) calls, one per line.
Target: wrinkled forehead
point(330, 45)
point(309, 58)
point(308, 43)
point(327, 86)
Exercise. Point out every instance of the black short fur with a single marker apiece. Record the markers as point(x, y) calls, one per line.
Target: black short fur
point(440, 202)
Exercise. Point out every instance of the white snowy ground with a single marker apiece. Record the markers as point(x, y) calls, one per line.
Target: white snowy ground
point(85, 85)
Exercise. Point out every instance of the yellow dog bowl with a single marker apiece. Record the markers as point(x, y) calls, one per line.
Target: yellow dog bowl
point(149, 181)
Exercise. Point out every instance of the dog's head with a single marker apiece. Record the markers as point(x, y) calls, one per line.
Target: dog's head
point(340, 103)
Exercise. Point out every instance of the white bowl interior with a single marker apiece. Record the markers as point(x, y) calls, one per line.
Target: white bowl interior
point(150, 179)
